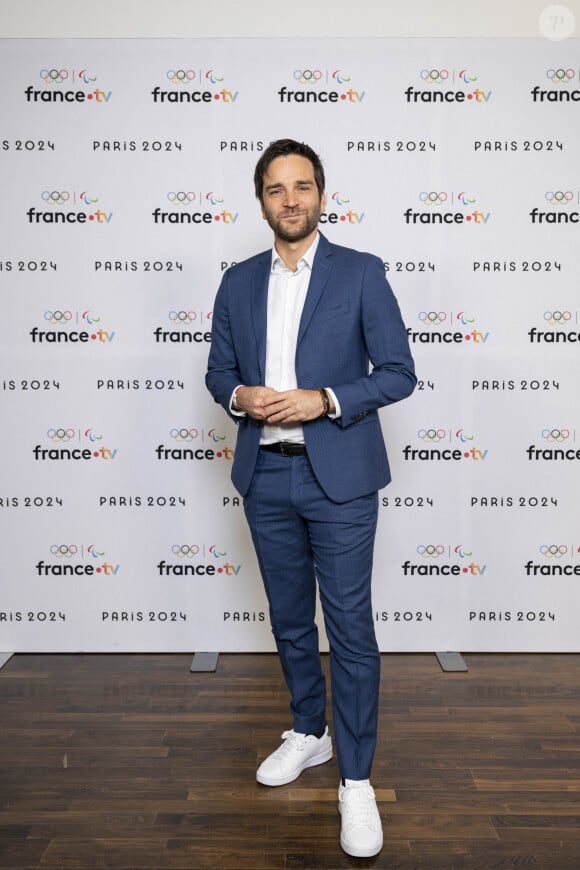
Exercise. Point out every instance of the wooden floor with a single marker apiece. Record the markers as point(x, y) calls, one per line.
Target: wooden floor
point(130, 761)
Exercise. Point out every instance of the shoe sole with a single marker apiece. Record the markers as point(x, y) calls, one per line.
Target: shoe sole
point(311, 762)
point(360, 853)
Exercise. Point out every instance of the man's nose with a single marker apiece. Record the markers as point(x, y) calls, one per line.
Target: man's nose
point(290, 199)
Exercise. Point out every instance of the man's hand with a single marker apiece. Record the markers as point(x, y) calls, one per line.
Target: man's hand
point(293, 406)
point(252, 400)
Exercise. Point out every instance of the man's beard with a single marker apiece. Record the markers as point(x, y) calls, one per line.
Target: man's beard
point(290, 232)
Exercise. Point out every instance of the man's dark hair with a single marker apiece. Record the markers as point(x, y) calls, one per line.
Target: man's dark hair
point(284, 148)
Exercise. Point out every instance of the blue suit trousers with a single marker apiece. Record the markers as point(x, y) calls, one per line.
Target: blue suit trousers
point(301, 536)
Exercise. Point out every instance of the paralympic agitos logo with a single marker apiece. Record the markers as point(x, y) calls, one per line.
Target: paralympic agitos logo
point(316, 85)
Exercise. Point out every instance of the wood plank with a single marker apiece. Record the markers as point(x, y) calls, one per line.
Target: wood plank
point(474, 770)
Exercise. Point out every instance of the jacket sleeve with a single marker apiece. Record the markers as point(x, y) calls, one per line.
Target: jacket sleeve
point(223, 374)
point(392, 375)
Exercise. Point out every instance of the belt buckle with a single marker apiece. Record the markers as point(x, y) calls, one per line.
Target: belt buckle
point(283, 449)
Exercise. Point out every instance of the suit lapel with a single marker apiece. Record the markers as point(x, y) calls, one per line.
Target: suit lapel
point(259, 307)
point(321, 269)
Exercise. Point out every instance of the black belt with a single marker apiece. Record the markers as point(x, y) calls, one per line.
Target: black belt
point(285, 448)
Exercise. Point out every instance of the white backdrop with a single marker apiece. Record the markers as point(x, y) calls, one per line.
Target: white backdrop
point(126, 171)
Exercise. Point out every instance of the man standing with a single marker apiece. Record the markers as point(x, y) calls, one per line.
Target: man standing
point(307, 345)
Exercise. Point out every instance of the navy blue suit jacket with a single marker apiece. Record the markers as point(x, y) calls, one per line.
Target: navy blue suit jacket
point(351, 338)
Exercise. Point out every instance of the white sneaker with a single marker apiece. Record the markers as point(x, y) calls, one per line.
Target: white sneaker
point(295, 754)
point(361, 832)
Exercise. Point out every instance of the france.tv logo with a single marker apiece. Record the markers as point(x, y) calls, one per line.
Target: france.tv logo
point(71, 327)
point(58, 205)
point(195, 86)
point(316, 85)
point(87, 446)
point(65, 561)
point(447, 86)
point(191, 207)
point(50, 90)
point(198, 560)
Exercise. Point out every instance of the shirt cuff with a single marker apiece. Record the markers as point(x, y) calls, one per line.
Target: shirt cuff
point(337, 412)
point(233, 410)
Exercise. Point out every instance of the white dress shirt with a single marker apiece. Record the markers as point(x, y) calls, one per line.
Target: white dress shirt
point(286, 295)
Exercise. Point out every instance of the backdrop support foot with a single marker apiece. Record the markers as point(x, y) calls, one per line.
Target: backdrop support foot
point(451, 661)
point(204, 661)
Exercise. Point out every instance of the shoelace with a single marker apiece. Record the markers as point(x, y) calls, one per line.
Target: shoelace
point(358, 802)
point(291, 741)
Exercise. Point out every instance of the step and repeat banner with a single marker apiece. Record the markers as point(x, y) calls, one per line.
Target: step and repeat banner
point(126, 170)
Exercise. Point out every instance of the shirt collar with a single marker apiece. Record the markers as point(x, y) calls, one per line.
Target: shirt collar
point(306, 259)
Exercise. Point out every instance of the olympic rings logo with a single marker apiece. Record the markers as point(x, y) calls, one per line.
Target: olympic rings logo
point(558, 435)
point(213, 77)
point(340, 76)
point(185, 550)
point(64, 551)
point(434, 76)
point(432, 198)
point(63, 435)
point(183, 318)
point(54, 76)
point(560, 75)
point(433, 318)
point(557, 317)
point(432, 435)
point(431, 551)
point(55, 197)
point(559, 197)
point(340, 199)
point(307, 76)
point(58, 317)
point(180, 76)
point(180, 198)
point(184, 434)
point(553, 551)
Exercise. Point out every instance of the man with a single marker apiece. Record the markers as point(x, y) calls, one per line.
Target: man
point(295, 330)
